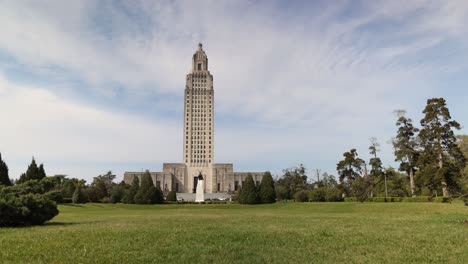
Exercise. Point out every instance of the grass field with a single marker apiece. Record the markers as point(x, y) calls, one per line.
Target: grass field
point(278, 233)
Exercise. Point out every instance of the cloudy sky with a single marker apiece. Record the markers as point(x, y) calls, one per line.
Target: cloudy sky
point(92, 86)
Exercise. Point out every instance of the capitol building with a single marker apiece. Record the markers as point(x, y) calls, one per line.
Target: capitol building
point(198, 142)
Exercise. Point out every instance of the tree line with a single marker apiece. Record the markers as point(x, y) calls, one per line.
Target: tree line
point(432, 159)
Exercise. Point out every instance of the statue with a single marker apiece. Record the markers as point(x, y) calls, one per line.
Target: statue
point(200, 195)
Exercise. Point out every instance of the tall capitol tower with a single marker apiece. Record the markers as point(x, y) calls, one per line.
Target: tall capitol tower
point(199, 113)
point(220, 180)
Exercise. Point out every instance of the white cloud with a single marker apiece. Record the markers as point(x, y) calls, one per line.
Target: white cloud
point(324, 81)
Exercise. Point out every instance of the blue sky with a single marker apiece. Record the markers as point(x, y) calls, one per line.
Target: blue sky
point(91, 86)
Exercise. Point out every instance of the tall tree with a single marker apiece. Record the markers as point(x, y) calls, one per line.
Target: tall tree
point(267, 189)
point(405, 145)
point(249, 193)
point(350, 168)
point(375, 162)
point(440, 149)
point(129, 197)
point(4, 178)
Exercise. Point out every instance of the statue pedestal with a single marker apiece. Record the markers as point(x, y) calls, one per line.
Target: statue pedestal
point(200, 195)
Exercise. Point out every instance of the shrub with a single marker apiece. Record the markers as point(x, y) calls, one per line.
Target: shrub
point(350, 199)
point(333, 195)
point(301, 196)
point(171, 196)
point(129, 196)
point(442, 199)
point(466, 201)
point(318, 195)
point(67, 200)
point(379, 199)
point(25, 209)
point(55, 196)
point(105, 200)
point(418, 199)
point(147, 193)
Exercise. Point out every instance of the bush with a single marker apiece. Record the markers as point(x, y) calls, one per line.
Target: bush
point(67, 200)
point(25, 209)
point(301, 196)
point(361, 188)
point(442, 199)
point(466, 201)
point(418, 199)
point(333, 195)
point(55, 196)
point(171, 196)
point(350, 199)
point(379, 199)
point(318, 195)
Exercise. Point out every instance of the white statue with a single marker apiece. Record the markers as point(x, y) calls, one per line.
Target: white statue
point(200, 195)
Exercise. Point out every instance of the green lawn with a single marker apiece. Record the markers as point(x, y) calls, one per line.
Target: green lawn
point(278, 233)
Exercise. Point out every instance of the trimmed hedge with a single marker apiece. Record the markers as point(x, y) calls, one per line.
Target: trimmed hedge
point(418, 199)
point(386, 199)
point(442, 199)
point(350, 199)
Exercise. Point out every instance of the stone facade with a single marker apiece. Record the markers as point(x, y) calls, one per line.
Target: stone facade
point(198, 139)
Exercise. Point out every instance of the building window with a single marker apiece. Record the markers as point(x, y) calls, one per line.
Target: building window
point(199, 66)
point(158, 184)
point(177, 187)
point(236, 185)
point(219, 187)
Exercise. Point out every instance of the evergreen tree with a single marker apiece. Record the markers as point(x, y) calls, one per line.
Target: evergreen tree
point(267, 189)
point(442, 160)
point(406, 147)
point(148, 193)
point(33, 173)
point(249, 193)
point(4, 178)
point(129, 197)
point(350, 168)
point(171, 196)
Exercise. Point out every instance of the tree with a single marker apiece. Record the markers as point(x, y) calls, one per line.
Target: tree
point(78, 196)
point(406, 147)
point(117, 193)
point(350, 168)
point(375, 162)
point(249, 193)
point(129, 197)
point(33, 173)
point(293, 180)
point(361, 187)
point(442, 157)
point(171, 196)
point(148, 193)
point(267, 189)
point(4, 178)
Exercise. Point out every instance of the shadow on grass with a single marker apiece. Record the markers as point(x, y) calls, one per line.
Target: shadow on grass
point(60, 223)
point(69, 204)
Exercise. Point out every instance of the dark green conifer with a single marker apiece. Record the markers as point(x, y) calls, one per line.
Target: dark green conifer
point(267, 189)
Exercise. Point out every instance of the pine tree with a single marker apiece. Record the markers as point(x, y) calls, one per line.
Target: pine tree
point(249, 193)
point(33, 173)
point(148, 193)
point(376, 166)
point(4, 178)
point(267, 189)
point(132, 191)
point(442, 159)
point(406, 147)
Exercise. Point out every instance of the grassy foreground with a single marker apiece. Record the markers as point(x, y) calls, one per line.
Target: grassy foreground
point(278, 233)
